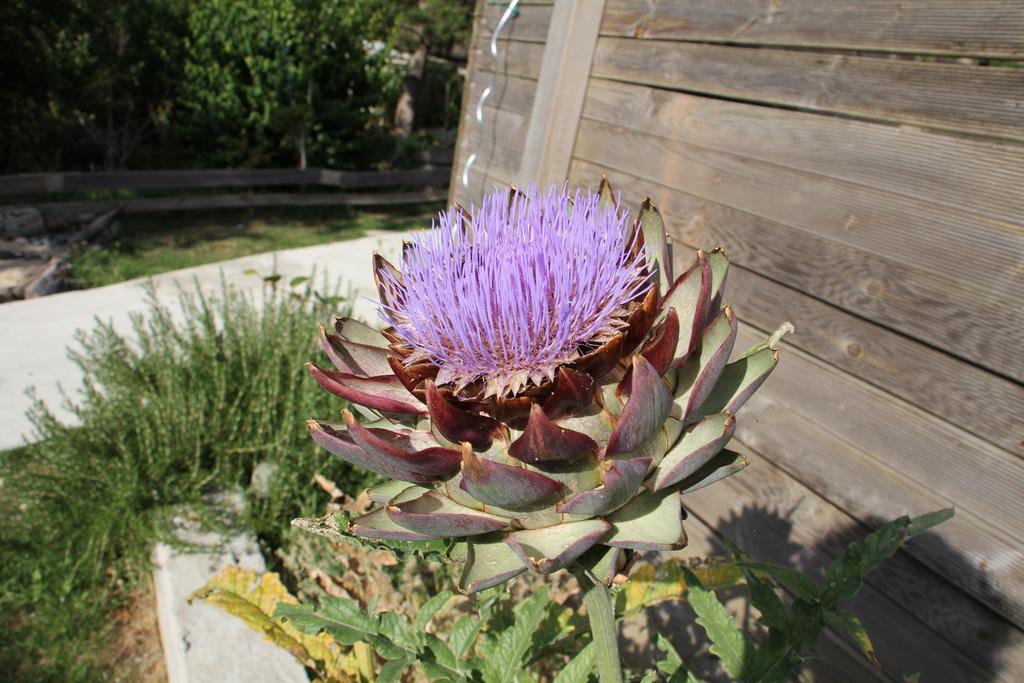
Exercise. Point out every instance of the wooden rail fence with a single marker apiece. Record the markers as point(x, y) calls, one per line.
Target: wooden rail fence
point(37, 234)
point(431, 183)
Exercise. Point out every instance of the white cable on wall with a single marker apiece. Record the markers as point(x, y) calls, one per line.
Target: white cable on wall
point(505, 18)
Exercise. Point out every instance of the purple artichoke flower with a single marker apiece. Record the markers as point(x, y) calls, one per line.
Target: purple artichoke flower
point(545, 391)
point(538, 281)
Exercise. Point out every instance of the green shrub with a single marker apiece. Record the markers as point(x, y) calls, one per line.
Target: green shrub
point(190, 403)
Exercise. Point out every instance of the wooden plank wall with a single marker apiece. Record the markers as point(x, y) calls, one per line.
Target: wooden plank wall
point(498, 144)
point(863, 165)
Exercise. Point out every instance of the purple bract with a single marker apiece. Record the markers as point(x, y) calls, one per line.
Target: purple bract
point(532, 282)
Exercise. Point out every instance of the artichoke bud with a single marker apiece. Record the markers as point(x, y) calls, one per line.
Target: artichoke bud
point(544, 391)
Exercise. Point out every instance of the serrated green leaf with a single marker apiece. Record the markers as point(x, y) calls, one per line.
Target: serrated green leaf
point(762, 596)
point(807, 624)
point(398, 630)
point(672, 664)
point(845, 576)
point(391, 672)
point(672, 661)
point(430, 608)
point(388, 650)
point(463, 635)
point(343, 619)
point(440, 650)
point(927, 521)
point(296, 281)
point(437, 671)
point(773, 661)
point(877, 546)
point(851, 624)
point(799, 584)
point(728, 642)
point(579, 667)
point(503, 655)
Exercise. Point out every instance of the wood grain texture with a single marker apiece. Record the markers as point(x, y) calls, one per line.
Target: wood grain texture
point(917, 620)
point(951, 27)
point(877, 457)
point(530, 24)
point(465, 119)
point(515, 57)
point(936, 455)
point(961, 394)
point(510, 93)
point(500, 148)
point(772, 281)
point(497, 143)
point(860, 481)
point(956, 97)
point(561, 88)
point(962, 246)
point(415, 177)
point(234, 201)
point(32, 183)
point(479, 185)
point(103, 181)
point(957, 270)
point(849, 479)
point(960, 173)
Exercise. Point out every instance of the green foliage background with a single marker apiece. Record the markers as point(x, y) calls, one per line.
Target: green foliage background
point(109, 84)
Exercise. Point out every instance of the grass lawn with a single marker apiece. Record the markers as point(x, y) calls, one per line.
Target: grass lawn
point(156, 243)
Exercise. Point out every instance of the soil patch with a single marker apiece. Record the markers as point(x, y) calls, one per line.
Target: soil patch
point(135, 653)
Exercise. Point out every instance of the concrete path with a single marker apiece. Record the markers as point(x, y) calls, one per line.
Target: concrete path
point(35, 334)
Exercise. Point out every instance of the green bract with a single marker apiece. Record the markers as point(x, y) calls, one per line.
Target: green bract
point(584, 467)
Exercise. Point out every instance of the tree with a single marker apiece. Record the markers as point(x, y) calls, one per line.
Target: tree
point(270, 79)
point(27, 123)
point(422, 29)
point(157, 83)
point(87, 76)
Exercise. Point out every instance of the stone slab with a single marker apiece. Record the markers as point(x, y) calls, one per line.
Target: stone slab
point(203, 643)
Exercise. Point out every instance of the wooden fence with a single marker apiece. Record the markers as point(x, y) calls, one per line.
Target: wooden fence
point(431, 182)
point(863, 165)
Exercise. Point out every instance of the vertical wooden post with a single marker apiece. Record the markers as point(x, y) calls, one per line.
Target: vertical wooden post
point(558, 102)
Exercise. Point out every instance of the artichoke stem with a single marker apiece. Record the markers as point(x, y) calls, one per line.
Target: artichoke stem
point(601, 612)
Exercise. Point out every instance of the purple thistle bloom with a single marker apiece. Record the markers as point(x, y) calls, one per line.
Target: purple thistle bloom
point(534, 282)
